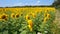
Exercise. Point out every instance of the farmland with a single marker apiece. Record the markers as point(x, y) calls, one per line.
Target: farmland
point(27, 20)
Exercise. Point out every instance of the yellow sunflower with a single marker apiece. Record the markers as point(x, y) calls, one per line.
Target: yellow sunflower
point(45, 15)
point(30, 24)
point(48, 16)
point(4, 16)
point(17, 15)
point(45, 19)
point(21, 14)
point(46, 10)
point(13, 15)
point(27, 17)
point(33, 15)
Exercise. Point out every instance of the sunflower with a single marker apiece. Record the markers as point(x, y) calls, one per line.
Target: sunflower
point(13, 15)
point(30, 24)
point(27, 17)
point(21, 14)
point(45, 19)
point(4, 16)
point(30, 27)
point(48, 16)
point(17, 15)
point(45, 15)
point(30, 13)
point(0, 16)
point(46, 10)
point(33, 15)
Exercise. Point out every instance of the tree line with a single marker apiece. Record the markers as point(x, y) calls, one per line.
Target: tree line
point(56, 3)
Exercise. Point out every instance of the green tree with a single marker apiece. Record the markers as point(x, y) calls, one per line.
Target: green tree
point(56, 3)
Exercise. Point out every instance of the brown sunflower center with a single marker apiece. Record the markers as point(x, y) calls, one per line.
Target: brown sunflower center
point(17, 16)
point(3, 17)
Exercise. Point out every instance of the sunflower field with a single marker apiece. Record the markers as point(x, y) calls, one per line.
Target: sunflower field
point(27, 20)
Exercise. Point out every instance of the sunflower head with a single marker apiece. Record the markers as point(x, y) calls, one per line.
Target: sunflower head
point(45, 15)
point(21, 14)
point(27, 17)
point(45, 19)
point(48, 15)
point(46, 10)
point(17, 15)
point(30, 27)
point(30, 24)
point(13, 15)
point(33, 15)
point(4, 16)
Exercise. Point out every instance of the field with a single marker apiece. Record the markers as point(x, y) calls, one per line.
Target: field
point(28, 20)
point(57, 21)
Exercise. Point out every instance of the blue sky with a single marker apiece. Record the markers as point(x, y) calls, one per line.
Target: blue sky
point(4, 3)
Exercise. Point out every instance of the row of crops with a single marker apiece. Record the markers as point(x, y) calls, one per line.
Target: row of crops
point(27, 20)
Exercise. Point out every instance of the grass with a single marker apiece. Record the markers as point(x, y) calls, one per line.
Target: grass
point(57, 21)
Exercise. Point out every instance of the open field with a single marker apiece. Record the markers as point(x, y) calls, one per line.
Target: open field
point(29, 20)
point(57, 21)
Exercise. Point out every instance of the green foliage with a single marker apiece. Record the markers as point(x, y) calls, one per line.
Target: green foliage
point(19, 25)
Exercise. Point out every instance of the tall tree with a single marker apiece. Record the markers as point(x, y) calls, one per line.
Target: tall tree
point(56, 3)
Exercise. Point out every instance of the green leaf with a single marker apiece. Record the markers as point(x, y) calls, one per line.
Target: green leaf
point(23, 32)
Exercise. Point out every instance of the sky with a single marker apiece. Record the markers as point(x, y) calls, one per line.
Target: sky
point(5, 3)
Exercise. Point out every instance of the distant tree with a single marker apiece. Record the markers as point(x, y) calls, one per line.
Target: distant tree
point(56, 3)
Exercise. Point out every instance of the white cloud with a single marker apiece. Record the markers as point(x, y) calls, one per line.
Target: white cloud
point(24, 4)
point(17, 4)
point(38, 1)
